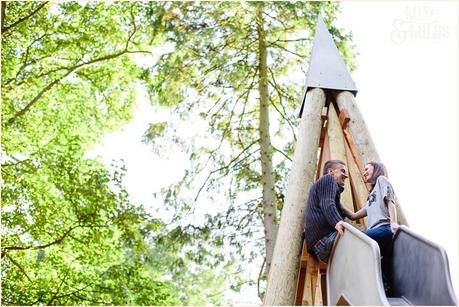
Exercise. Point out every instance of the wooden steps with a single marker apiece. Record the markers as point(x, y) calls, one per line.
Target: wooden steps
point(311, 286)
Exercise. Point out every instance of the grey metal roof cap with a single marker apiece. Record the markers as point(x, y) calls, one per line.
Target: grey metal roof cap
point(327, 69)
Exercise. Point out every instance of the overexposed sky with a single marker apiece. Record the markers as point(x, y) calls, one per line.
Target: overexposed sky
point(407, 76)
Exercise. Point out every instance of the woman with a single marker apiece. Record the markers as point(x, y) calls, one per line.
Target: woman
point(381, 214)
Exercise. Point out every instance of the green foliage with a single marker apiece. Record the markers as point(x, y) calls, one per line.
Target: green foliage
point(70, 235)
point(156, 130)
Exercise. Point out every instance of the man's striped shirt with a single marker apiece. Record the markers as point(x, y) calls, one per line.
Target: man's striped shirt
point(323, 209)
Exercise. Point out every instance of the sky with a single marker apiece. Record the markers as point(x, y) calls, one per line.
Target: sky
point(407, 77)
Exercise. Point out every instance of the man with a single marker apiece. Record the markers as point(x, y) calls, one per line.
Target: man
point(323, 216)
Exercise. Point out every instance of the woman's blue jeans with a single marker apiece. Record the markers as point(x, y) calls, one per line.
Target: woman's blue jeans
point(383, 236)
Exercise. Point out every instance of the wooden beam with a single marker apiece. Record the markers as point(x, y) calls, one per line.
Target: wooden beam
point(302, 274)
point(318, 291)
point(323, 133)
point(344, 118)
point(323, 283)
point(353, 150)
point(300, 287)
point(322, 149)
point(324, 113)
point(358, 186)
point(324, 155)
point(358, 128)
point(355, 156)
point(338, 152)
point(311, 271)
point(307, 291)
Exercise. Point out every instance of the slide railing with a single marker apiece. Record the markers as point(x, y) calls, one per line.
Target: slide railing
point(420, 271)
point(354, 271)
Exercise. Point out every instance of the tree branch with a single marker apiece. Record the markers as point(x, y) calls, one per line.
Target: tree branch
point(279, 93)
point(133, 31)
point(301, 56)
point(58, 288)
point(6, 29)
point(3, 5)
point(76, 291)
point(260, 276)
point(42, 246)
point(293, 40)
point(75, 68)
point(283, 153)
point(18, 265)
point(56, 81)
point(238, 165)
point(247, 95)
point(286, 118)
point(222, 168)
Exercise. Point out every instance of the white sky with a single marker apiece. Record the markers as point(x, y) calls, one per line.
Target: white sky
point(407, 78)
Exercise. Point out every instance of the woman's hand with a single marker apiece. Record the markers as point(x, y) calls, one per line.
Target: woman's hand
point(394, 226)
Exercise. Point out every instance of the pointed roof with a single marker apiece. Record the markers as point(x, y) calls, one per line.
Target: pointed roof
point(327, 69)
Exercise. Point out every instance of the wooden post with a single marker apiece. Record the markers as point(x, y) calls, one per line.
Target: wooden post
point(338, 152)
point(323, 135)
point(361, 137)
point(359, 189)
point(358, 128)
point(324, 154)
point(302, 276)
point(282, 280)
point(307, 291)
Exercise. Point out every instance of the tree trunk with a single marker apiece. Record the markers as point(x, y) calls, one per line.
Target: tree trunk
point(267, 173)
point(3, 4)
point(285, 264)
point(362, 138)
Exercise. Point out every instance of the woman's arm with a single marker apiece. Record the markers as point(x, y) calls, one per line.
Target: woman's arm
point(354, 216)
point(393, 215)
point(389, 200)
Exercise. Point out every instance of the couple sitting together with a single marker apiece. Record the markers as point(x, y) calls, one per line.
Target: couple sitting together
point(324, 213)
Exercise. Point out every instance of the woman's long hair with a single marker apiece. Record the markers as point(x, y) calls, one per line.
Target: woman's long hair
point(378, 170)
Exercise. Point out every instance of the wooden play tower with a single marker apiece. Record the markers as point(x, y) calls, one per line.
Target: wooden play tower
point(331, 127)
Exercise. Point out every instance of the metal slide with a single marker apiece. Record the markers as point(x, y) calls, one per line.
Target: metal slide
point(420, 271)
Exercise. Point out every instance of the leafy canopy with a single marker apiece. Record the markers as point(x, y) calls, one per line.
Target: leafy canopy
point(70, 235)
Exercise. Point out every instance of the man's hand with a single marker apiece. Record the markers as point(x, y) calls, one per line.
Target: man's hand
point(393, 227)
point(340, 228)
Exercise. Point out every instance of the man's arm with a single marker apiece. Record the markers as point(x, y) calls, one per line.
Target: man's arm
point(327, 191)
